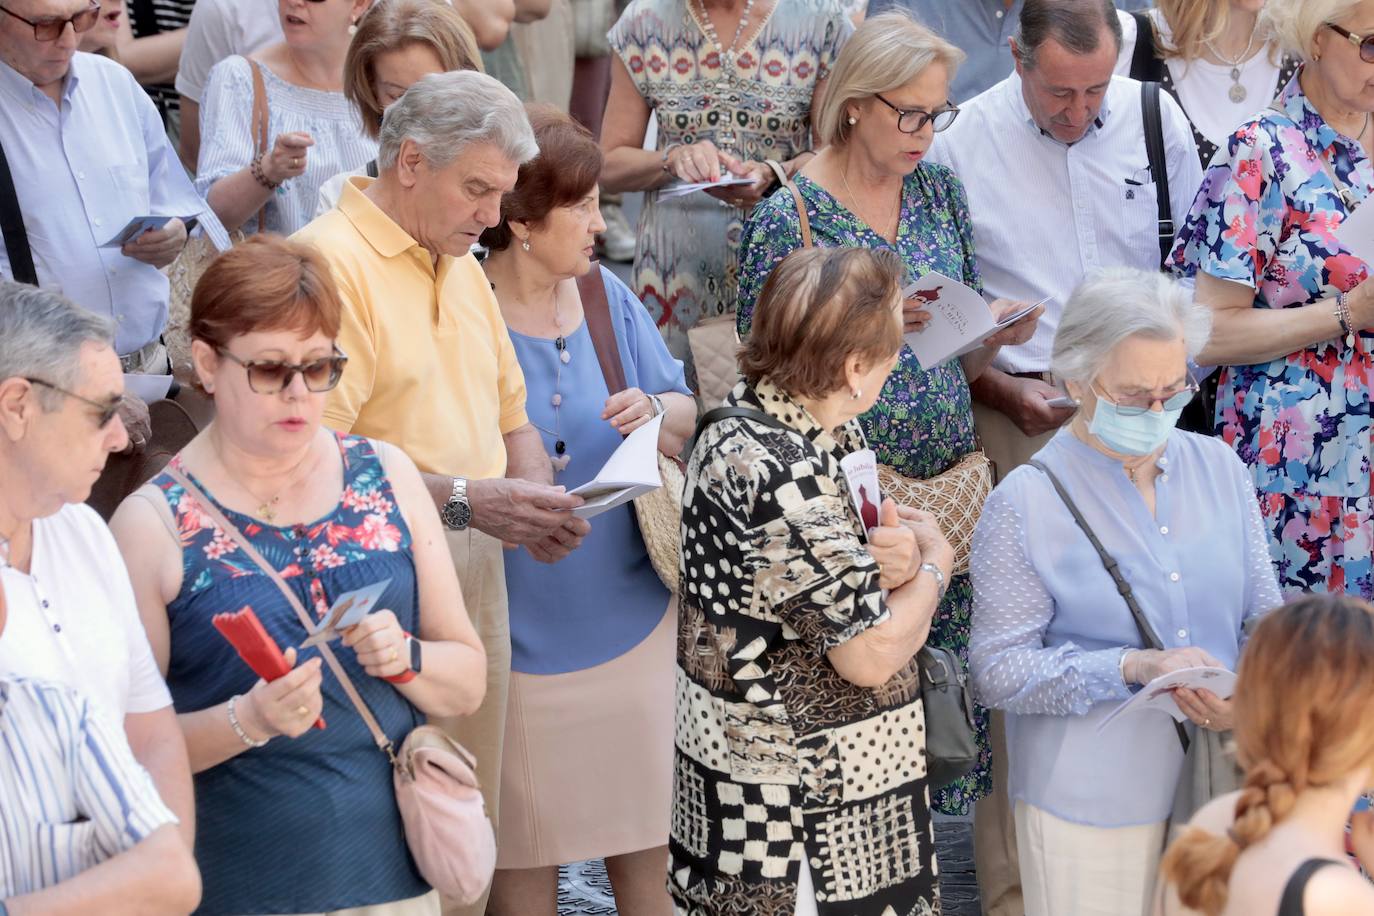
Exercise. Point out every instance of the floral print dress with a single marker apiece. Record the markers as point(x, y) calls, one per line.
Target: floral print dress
point(1267, 216)
point(922, 424)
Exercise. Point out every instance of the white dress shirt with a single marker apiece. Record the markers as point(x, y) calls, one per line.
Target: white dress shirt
point(71, 794)
point(82, 170)
point(73, 619)
point(1045, 214)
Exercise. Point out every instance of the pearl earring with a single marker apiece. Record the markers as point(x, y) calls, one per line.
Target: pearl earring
point(525, 244)
point(853, 120)
point(856, 394)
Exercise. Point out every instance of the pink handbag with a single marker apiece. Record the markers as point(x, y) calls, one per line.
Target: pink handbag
point(435, 777)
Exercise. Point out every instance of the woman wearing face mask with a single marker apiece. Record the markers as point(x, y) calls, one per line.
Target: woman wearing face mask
point(1054, 643)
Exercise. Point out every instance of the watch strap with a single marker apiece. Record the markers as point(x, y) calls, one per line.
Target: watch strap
point(408, 675)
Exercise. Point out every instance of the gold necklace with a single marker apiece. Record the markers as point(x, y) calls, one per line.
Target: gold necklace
point(267, 507)
point(856, 205)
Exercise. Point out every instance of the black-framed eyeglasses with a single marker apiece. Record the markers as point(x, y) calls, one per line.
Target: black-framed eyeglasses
point(108, 410)
point(50, 28)
point(1133, 405)
point(1364, 42)
point(270, 376)
point(911, 120)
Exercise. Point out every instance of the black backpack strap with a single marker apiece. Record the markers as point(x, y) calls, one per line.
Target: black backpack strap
point(1152, 113)
point(1147, 632)
point(12, 227)
point(743, 413)
point(372, 168)
point(1146, 63)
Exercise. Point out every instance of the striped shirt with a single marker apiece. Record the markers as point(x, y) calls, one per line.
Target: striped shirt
point(71, 794)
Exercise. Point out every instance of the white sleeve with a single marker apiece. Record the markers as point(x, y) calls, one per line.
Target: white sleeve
point(208, 41)
point(226, 123)
point(1128, 39)
point(147, 690)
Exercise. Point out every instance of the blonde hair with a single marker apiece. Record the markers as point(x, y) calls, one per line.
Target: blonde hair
point(885, 52)
point(1295, 23)
point(1193, 23)
point(393, 26)
point(1303, 720)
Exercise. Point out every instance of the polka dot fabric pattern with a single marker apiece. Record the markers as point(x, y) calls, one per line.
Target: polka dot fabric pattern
point(778, 758)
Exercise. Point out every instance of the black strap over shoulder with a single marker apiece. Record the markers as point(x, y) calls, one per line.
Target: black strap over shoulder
point(1147, 632)
point(1146, 63)
point(1291, 902)
point(743, 413)
point(1159, 168)
point(12, 228)
point(372, 168)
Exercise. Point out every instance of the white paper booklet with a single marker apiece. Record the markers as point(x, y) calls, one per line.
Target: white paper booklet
point(1356, 232)
point(689, 187)
point(1158, 695)
point(960, 319)
point(630, 472)
point(861, 470)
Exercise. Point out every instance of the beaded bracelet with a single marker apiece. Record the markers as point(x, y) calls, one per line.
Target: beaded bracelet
point(238, 729)
point(255, 169)
point(1345, 318)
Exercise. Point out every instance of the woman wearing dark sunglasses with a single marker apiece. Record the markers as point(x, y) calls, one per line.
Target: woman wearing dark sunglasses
point(1055, 645)
point(1293, 304)
point(280, 806)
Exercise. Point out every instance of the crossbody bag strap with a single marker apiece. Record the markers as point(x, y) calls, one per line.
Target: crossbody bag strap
point(260, 119)
point(12, 228)
point(1147, 632)
point(233, 533)
point(1159, 167)
point(1343, 190)
point(797, 200)
point(591, 286)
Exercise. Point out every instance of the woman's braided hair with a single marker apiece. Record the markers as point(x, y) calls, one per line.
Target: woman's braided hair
point(1303, 720)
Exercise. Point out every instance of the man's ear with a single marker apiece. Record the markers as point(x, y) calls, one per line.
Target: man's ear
point(18, 405)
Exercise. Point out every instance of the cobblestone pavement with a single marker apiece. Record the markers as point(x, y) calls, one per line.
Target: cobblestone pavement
point(584, 891)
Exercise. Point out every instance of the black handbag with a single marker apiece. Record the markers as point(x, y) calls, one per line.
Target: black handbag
point(951, 739)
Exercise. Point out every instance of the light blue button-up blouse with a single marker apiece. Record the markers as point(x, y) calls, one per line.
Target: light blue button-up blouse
point(1049, 627)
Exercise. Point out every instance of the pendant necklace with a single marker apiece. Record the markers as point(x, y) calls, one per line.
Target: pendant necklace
point(1237, 92)
point(726, 137)
point(560, 456)
point(856, 204)
point(267, 508)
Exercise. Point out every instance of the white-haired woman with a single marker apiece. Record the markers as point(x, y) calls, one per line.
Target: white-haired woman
point(1293, 306)
point(1055, 644)
point(888, 95)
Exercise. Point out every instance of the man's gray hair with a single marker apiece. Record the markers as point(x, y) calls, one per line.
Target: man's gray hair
point(445, 112)
point(41, 335)
point(1075, 24)
point(1121, 302)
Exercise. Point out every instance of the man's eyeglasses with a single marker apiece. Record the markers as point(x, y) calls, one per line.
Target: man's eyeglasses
point(911, 120)
point(273, 376)
point(50, 28)
point(107, 410)
point(1364, 42)
point(1133, 405)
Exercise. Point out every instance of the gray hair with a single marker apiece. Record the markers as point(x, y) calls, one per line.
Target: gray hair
point(446, 112)
point(1116, 303)
point(41, 335)
point(1075, 24)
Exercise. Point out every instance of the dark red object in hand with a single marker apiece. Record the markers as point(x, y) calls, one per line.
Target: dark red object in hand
point(246, 634)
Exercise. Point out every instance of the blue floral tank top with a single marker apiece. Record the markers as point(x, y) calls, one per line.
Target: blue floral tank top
point(303, 825)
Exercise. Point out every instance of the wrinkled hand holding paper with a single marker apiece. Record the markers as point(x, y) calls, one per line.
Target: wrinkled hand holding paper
point(630, 472)
point(690, 187)
point(347, 610)
point(1158, 695)
point(960, 319)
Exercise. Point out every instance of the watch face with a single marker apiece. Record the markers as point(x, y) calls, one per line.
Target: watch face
point(415, 655)
point(456, 515)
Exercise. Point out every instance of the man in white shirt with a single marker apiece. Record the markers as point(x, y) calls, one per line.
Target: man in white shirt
point(71, 612)
point(1054, 162)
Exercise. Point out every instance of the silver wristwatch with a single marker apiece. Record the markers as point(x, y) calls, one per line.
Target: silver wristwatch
point(657, 403)
point(939, 574)
point(457, 512)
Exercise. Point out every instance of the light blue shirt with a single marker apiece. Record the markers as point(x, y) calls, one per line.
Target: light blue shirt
point(71, 793)
point(81, 172)
point(1049, 628)
point(1045, 214)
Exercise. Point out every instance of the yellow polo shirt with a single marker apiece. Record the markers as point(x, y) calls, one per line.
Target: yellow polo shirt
point(430, 367)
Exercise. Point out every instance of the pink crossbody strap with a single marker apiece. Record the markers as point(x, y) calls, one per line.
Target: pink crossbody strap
point(232, 531)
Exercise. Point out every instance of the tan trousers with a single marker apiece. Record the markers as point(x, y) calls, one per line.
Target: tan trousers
point(482, 575)
point(1076, 870)
point(428, 905)
point(994, 829)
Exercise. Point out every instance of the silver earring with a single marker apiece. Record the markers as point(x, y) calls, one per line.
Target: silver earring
point(856, 394)
point(525, 244)
point(853, 120)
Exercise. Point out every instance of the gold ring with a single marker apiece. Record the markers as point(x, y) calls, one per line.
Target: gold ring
point(302, 711)
point(1206, 722)
point(394, 654)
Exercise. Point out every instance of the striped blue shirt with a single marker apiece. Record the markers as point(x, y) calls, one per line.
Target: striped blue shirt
point(71, 793)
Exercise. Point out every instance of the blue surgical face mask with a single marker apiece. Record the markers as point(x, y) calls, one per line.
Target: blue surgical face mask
point(1134, 434)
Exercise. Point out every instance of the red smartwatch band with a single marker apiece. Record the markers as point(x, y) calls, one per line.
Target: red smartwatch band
point(406, 676)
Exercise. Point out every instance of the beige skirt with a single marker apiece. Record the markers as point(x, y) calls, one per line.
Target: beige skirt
point(588, 764)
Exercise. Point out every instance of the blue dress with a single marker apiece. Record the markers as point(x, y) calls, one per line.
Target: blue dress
point(310, 824)
point(604, 598)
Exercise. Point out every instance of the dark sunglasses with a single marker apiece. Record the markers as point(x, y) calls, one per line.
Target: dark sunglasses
point(107, 410)
point(50, 28)
point(1364, 42)
point(273, 376)
point(910, 120)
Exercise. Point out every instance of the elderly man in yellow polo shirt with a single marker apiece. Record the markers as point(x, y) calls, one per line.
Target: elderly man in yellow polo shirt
point(431, 368)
